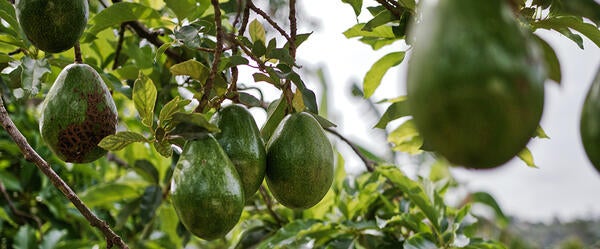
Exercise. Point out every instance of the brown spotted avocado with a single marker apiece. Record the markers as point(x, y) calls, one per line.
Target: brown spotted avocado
point(77, 114)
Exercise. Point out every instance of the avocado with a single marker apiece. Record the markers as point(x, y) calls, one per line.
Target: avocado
point(206, 190)
point(77, 114)
point(299, 162)
point(475, 82)
point(52, 25)
point(241, 140)
point(589, 126)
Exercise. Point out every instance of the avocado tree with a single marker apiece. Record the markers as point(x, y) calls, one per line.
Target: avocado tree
point(184, 164)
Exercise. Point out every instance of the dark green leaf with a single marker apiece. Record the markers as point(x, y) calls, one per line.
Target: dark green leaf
point(281, 54)
point(120, 140)
point(249, 100)
point(258, 77)
point(585, 8)
point(189, 36)
point(275, 115)
point(420, 241)
point(52, 238)
point(188, 8)
point(25, 238)
point(116, 14)
point(151, 200)
point(147, 170)
point(174, 106)
point(378, 70)
point(563, 23)
point(552, 62)
point(300, 38)
point(144, 98)
point(191, 125)
point(487, 199)
point(33, 71)
point(380, 19)
point(259, 49)
point(394, 111)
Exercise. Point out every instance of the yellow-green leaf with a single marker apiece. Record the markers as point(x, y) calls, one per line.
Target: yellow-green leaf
point(144, 98)
point(375, 74)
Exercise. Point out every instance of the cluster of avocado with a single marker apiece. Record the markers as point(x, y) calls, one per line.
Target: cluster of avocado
point(78, 111)
point(475, 82)
point(216, 174)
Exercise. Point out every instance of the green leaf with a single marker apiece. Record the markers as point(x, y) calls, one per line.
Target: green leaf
point(420, 241)
point(147, 170)
point(161, 50)
point(378, 70)
point(192, 68)
point(174, 106)
point(144, 98)
point(356, 5)
point(117, 14)
point(380, 19)
point(409, 4)
point(120, 140)
point(4, 58)
point(488, 200)
point(394, 111)
point(25, 238)
point(195, 121)
point(4, 216)
point(414, 191)
point(378, 32)
point(52, 238)
point(188, 8)
point(526, 156)
point(257, 32)
point(258, 77)
point(249, 100)
point(151, 200)
point(406, 138)
point(275, 114)
point(300, 38)
point(108, 194)
point(565, 22)
point(540, 133)
point(32, 74)
point(552, 62)
point(584, 8)
point(163, 148)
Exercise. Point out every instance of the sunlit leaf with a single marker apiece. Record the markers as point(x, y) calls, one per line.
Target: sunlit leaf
point(380, 67)
point(108, 193)
point(120, 140)
point(356, 5)
point(394, 111)
point(257, 31)
point(144, 98)
point(192, 68)
point(526, 156)
point(406, 138)
point(115, 15)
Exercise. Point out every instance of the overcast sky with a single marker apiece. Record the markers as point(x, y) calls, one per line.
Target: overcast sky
point(565, 185)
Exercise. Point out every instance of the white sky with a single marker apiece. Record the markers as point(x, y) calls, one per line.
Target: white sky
point(565, 185)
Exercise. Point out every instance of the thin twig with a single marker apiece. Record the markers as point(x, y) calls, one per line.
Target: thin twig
point(119, 46)
point(204, 101)
point(269, 203)
point(32, 156)
point(293, 28)
point(77, 49)
point(269, 19)
point(20, 214)
point(16, 51)
point(261, 64)
point(369, 164)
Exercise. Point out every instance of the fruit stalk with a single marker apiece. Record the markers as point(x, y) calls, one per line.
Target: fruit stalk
point(32, 156)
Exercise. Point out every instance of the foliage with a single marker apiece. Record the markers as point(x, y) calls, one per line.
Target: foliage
point(158, 59)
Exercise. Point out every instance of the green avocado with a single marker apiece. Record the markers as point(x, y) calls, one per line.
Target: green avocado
point(241, 140)
point(77, 114)
point(206, 190)
point(475, 82)
point(299, 162)
point(589, 128)
point(52, 25)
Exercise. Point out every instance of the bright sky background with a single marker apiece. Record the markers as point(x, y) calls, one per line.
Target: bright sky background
point(565, 185)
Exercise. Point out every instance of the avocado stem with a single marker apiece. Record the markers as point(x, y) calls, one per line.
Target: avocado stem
point(77, 49)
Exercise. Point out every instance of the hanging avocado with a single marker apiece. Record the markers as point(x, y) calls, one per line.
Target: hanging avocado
point(299, 162)
point(589, 128)
point(206, 190)
point(77, 114)
point(475, 82)
point(52, 25)
point(241, 140)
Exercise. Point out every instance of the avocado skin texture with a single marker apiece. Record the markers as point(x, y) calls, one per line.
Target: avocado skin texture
point(589, 125)
point(52, 25)
point(206, 190)
point(241, 140)
point(77, 114)
point(299, 162)
point(475, 82)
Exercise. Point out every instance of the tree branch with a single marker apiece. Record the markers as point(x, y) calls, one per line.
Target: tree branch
point(269, 19)
point(369, 164)
point(31, 155)
point(119, 46)
point(269, 203)
point(391, 6)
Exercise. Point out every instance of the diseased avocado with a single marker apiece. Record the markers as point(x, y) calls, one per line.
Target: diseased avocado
point(299, 162)
point(589, 128)
point(475, 82)
point(241, 140)
point(206, 190)
point(77, 114)
point(52, 25)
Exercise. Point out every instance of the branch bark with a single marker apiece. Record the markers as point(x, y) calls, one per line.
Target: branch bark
point(31, 155)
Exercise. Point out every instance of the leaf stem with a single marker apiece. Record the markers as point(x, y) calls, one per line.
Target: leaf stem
point(369, 164)
point(269, 19)
point(31, 155)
